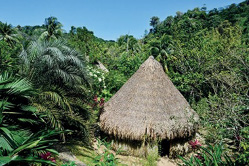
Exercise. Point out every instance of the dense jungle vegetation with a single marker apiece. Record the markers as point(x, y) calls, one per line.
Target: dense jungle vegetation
point(52, 90)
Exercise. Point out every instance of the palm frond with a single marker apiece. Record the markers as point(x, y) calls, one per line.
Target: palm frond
point(4, 105)
point(57, 99)
point(12, 86)
point(53, 61)
point(51, 117)
point(56, 53)
point(7, 139)
point(20, 87)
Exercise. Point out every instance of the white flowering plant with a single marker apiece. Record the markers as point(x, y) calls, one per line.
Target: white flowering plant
point(98, 82)
point(97, 78)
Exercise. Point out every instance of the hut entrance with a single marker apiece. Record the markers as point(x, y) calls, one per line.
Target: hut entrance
point(164, 147)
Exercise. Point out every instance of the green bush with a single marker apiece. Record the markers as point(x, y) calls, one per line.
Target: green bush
point(209, 156)
point(151, 159)
point(243, 156)
point(107, 158)
point(114, 81)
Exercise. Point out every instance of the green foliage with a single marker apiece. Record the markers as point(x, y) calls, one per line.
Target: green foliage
point(14, 100)
point(154, 22)
point(85, 41)
point(52, 29)
point(53, 62)
point(114, 81)
point(18, 143)
point(60, 74)
point(8, 34)
point(107, 158)
point(243, 156)
point(128, 43)
point(29, 148)
point(69, 164)
point(8, 60)
point(210, 156)
point(19, 160)
point(151, 159)
point(128, 65)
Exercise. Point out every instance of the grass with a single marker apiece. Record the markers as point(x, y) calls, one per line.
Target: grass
point(151, 159)
point(84, 154)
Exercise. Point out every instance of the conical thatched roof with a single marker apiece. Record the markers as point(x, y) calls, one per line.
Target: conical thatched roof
point(148, 106)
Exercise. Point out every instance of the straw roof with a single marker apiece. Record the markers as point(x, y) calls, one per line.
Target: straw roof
point(148, 106)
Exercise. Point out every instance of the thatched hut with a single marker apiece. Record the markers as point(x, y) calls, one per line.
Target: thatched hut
point(149, 113)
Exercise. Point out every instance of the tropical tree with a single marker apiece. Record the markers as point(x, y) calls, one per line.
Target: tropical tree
point(83, 39)
point(9, 47)
point(162, 50)
point(8, 33)
point(60, 75)
point(128, 42)
point(53, 63)
point(8, 60)
point(154, 21)
point(52, 29)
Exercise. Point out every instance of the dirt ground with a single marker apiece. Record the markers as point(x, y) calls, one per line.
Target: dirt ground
point(165, 162)
point(136, 161)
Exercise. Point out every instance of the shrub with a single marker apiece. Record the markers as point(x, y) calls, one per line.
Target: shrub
point(151, 159)
point(243, 156)
point(107, 158)
point(209, 156)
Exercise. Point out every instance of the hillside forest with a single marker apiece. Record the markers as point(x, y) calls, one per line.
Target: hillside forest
point(53, 85)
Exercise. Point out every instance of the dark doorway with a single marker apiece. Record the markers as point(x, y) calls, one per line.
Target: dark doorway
point(163, 148)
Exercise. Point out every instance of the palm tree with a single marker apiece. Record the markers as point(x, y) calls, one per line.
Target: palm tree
point(52, 29)
point(59, 73)
point(8, 34)
point(53, 63)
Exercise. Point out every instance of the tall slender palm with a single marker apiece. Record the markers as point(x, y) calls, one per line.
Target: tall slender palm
point(52, 29)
